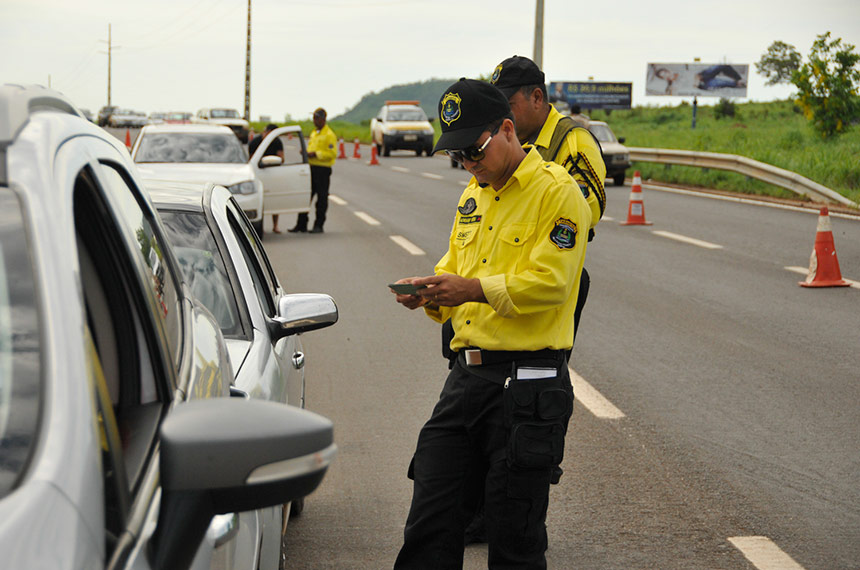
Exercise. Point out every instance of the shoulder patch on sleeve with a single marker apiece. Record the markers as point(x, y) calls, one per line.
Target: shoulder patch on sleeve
point(563, 234)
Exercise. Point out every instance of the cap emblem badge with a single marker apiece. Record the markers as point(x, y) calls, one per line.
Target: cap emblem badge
point(450, 108)
point(496, 73)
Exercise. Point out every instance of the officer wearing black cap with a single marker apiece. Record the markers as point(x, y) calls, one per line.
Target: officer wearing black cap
point(508, 282)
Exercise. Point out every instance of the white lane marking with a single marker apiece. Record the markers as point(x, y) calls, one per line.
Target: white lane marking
point(750, 201)
point(399, 169)
point(407, 245)
point(367, 219)
point(607, 218)
point(433, 176)
point(764, 554)
point(466, 183)
point(337, 200)
point(805, 271)
point(685, 239)
point(596, 403)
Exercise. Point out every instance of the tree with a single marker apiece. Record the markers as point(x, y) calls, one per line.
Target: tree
point(780, 61)
point(828, 85)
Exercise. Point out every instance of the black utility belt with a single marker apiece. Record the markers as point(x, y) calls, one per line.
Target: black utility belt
point(481, 357)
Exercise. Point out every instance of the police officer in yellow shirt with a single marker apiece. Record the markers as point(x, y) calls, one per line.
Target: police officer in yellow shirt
point(509, 283)
point(321, 156)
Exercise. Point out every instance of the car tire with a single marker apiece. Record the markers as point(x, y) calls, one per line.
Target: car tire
point(619, 179)
point(297, 507)
point(418, 152)
point(428, 151)
point(258, 227)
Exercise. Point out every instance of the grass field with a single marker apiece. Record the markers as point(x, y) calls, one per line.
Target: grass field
point(774, 133)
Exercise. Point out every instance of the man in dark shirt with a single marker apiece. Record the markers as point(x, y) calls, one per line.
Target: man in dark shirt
point(274, 149)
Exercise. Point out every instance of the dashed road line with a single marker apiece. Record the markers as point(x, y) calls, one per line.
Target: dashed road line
point(593, 400)
point(366, 218)
point(407, 245)
point(685, 239)
point(805, 271)
point(607, 218)
point(763, 553)
point(399, 169)
point(337, 200)
point(432, 176)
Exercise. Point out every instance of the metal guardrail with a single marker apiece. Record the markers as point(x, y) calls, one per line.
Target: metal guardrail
point(742, 165)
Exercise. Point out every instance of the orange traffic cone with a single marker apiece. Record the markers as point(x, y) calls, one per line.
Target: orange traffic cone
point(357, 152)
point(128, 139)
point(342, 153)
point(823, 264)
point(636, 208)
point(373, 160)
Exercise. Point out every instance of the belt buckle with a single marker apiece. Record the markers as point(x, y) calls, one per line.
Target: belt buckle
point(473, 357)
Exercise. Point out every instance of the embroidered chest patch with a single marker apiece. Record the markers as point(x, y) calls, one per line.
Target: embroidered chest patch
point(563, 234)
point(469, 207)
point(476, 219)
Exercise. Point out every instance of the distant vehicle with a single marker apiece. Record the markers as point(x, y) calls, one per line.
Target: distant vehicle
point(87, 113)
point(119, 441)
point(227, 268)
point(402, 125)
point(201, 153)
point(615, 154)
point(156, 118)
point(178, 118)
point(227, 117)
point(104, 114)
point(127, 118)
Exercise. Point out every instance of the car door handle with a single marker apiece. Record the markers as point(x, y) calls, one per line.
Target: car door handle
point(299, 360)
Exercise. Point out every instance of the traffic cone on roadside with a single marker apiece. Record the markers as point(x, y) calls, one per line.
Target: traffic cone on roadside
point(823, 264)
point(373, 160)
point(636, 207)
point(128, 139)
point(357, 152)
point(342, 153)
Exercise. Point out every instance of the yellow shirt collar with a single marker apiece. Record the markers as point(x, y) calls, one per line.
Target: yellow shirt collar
point(545, 136)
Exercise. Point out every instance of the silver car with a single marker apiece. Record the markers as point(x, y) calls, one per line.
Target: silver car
point(228, 270)
point(119, 442)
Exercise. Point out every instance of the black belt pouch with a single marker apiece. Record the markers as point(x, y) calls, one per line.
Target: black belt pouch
point(536, 412)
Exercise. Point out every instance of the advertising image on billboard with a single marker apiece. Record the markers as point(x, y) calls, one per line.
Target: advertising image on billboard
point(697, 79)
point(590, 94)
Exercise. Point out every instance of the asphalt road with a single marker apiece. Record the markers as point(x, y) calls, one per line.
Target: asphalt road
point(738, 388)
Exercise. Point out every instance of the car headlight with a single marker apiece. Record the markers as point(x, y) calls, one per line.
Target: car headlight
point(246, 187)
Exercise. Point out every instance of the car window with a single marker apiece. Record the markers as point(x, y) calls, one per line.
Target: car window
point(128, 294)
point(406, 115)
point(214, 148)
point(20, 347)
point(602, 133)
point(294, 148)
point(258, 263)
point(224, 114)
point(203, 267)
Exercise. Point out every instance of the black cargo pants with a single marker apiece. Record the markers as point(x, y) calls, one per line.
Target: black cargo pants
point(463, 452)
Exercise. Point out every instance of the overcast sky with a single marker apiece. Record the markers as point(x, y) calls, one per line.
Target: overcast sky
point(181, 55)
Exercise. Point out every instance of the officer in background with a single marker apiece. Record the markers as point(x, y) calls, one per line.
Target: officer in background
point(321, 156)
point(509, 283)
point(275, 148)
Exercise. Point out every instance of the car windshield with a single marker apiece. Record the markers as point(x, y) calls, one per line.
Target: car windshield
point(179, 116)
point(603, 133)
point(224, 114)
point(191, 147)
point(406, 115)
point(203, 267)
point(20, 349)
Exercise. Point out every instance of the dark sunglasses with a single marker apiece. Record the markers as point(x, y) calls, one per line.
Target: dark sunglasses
point(473, 153)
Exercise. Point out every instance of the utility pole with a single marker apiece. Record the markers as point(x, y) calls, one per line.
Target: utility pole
point(109, 52)
point(248, 67)
point(538, 53)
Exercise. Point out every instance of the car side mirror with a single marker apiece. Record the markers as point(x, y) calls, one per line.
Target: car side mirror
point(431, 119)
point(380, 119)
point(302, 312)
point(622, 139)
point(226, 455)
point(271, 160)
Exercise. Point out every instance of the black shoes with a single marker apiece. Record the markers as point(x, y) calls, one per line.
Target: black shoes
point(317, 230)
point(297, 229)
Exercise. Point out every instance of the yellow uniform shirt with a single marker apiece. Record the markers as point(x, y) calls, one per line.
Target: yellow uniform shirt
point(526, 243)
point(580, 155)
point(324, 143)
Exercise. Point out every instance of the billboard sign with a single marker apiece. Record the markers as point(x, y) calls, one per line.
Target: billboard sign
point(591, 95)
point(697, 79)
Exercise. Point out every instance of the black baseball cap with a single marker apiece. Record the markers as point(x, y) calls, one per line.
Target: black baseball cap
point(465, 110)
point(515, 72)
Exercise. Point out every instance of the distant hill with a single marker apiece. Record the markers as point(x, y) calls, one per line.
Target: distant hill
point(427, 92)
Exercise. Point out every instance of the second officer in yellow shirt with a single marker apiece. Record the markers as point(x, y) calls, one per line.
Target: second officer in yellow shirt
point(321, 156)
point(509, 283)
